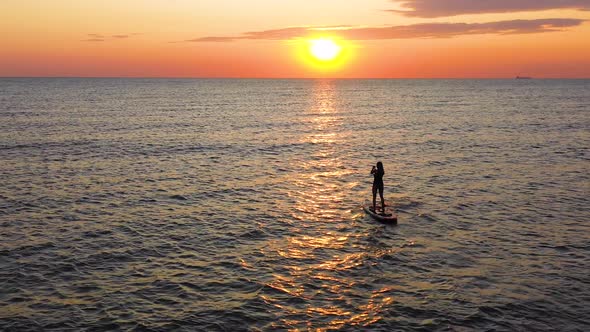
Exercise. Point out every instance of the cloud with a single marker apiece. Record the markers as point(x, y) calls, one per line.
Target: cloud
point(277, 34)
point(424, 30)
point(97, 37)
point(94, 37)
point(214, 39)
point(441, 8)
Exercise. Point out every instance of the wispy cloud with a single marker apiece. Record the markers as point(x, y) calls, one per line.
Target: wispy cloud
point(275, 34)
point(97, 37)
point(424, 30)
point(94, 37)
point(441, 8)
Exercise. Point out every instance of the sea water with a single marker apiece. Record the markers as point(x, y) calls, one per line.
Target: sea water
point(230, 205)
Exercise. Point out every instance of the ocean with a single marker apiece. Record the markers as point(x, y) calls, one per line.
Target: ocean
point(235, 205)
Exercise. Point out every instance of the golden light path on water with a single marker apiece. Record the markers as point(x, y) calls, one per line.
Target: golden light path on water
point(318, 194)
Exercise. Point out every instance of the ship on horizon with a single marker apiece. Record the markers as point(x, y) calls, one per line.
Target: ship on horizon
point(523, 77)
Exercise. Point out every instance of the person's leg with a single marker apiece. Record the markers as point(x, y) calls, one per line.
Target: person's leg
point(382, 199)
point(374, 197)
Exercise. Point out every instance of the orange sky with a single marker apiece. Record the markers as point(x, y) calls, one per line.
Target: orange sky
point(266, 38)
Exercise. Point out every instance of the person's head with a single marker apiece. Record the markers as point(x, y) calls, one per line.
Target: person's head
point(379, 165)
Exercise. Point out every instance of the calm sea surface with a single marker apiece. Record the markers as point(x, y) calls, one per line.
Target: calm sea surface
point(233, 205)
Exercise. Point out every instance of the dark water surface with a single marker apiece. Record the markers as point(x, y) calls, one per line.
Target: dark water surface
point(230, 205)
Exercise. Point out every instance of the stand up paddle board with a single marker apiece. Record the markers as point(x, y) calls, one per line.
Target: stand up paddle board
point(389, 218)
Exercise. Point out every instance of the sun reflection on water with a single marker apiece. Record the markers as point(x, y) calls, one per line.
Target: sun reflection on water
point(319, 255)
point(319, 187)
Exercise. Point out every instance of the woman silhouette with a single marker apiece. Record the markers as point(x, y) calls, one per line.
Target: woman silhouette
point(378, 173)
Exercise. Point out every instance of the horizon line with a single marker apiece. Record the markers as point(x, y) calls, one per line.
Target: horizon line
point(298, 78)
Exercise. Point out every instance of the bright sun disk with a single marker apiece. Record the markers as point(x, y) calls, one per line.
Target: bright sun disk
point(324, 49)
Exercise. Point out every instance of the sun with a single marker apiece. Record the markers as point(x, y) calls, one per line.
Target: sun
point(325, 55)
point(324, 49)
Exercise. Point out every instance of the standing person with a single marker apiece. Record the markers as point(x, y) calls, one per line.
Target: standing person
point(378, 173)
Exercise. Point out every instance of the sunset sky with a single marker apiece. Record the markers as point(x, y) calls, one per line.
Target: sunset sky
point(271, 38)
